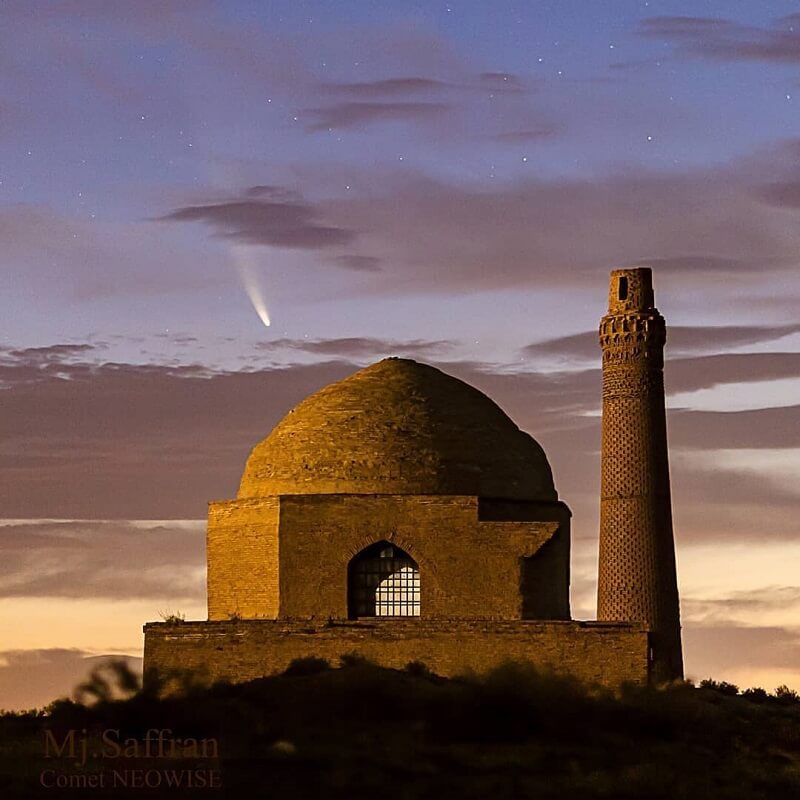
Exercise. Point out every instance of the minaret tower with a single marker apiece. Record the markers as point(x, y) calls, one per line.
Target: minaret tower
point(637, 576)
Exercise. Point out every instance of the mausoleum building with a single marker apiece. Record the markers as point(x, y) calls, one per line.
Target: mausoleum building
point(401, 515)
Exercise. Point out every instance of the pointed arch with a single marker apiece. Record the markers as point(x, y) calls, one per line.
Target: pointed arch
point(383, 581)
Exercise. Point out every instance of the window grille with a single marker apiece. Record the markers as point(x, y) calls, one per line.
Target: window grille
point(383, 581)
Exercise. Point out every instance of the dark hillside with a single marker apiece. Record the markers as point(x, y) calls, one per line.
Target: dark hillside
point(366, 732)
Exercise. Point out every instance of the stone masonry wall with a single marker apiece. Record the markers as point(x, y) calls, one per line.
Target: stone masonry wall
point(242, 550)
point(287, 557)
point(604, 653)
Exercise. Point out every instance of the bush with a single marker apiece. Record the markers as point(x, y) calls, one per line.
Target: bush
point(513, 703)
point(114, 680)
point(355, 660)
point(756, 695)
point(308, 665)
point(723, 687)
point(172, 618)
point(418, 669)
point(786, 696)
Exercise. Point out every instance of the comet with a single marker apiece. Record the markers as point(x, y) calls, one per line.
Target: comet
point(252, 285)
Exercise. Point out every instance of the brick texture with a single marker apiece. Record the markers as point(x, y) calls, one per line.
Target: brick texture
point(288, 556)
point(603, 653)
point(404, 454)
point(637, 575)
point(398, 427)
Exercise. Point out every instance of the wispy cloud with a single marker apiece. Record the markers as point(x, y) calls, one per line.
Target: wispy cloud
point(683, 339)
point(387, 87)
point(68, 452)
point(34, 678)
point(360, 347)
point(541, 132)
point(358, 263)
point(103, 559)
point(440, 237)
point(360, 114)
point(265, 222)
point(720, 39)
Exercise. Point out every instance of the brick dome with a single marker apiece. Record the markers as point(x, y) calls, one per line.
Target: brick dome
point(398, 427)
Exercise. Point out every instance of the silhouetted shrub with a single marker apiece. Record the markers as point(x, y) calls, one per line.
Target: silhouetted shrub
point(756, 695)
point(515, 732)
point(786, 696)
point(172, 617)
point(723, 687)
point(418, 668)
point(114, 680)
point(511, 703)
point(355, 660)
point(308, 665)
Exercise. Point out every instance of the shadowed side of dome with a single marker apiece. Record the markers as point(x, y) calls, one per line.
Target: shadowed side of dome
point(399, 427)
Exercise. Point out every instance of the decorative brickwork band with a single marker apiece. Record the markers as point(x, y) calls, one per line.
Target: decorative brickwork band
point(637, 575)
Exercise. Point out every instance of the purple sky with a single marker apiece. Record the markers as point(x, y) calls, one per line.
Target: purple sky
point(446, 181)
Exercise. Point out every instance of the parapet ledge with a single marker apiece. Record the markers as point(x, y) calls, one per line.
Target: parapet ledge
point(295, 625)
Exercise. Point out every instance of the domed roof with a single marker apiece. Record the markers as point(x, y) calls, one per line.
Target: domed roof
point(398, 427)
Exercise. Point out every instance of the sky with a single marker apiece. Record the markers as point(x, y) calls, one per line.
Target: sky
point(450, 182)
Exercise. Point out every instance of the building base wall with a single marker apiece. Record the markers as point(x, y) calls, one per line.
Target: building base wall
point(608, 654)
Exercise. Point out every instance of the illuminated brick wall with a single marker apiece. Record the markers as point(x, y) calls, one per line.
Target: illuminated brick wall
point(604, 653)
point(287, 557)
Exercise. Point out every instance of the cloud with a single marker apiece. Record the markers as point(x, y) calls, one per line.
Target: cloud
point(784, 194)
point(635, 64)
point(544, 131)
point(737, 646)
point(763, 428)
point(752, 602)
point(359, 348)
point(724, 40)
point(359, 263)
point(53, 352)
point(387, 87)
point(707, 224)
point(185, 433)
point(101, 559)
point(362, 114)
point(502, 81)
point(34, 678)
point(123, 441)
point(66, 257)
point(265, 222)
point(703, 372)
point(184, 436)
point(682, 339)
point(273, 192)
point(496, 82)
point(702, 264)
point(441, 237)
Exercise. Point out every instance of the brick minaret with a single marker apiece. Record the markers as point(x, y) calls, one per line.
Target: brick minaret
point(637, 577)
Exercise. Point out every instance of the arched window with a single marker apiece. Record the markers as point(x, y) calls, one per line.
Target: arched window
point(383, 581)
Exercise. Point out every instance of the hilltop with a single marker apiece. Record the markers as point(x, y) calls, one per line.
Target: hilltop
point(364, 732)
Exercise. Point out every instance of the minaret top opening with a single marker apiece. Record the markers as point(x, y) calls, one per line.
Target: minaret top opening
point(631, 290)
